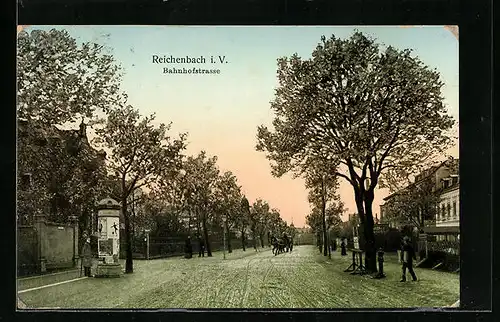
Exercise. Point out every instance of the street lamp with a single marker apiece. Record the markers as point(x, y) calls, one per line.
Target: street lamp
point(74, 220)
point(224, 229)
point(147, 242)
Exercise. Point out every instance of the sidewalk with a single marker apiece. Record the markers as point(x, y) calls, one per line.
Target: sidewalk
point(24, 283)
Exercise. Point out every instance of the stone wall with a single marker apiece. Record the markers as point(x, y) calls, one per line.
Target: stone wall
point(46, 246)
point(27, 251)
point(59, 252)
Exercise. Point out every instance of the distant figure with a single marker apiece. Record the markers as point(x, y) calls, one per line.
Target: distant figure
point(291, 244)
point(286, 242)
point(343, 247)
point(334, 246)
point(274, 242)
point(189, 248)
point(407, 257)
point(201, 247)
point(87, 257)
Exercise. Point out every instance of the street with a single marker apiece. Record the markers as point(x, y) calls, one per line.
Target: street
point(301, 279)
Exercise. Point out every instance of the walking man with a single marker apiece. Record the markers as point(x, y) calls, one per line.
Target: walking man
point(407, 257)
point(201, 248)
point(87, 257)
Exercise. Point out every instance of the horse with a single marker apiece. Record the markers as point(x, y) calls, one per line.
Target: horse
point(278, 246)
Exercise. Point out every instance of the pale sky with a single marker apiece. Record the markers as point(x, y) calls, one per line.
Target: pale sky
point(221, 112)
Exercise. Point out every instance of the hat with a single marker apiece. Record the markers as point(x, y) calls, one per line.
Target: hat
point(406, 238)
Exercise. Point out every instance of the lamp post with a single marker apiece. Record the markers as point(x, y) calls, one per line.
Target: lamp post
point(147, 242)
point(224, 229)
point(329, 245)
point(74, 220)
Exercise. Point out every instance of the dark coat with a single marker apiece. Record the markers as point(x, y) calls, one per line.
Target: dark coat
point(86, 255)
point(411, 253)
point(188, 247)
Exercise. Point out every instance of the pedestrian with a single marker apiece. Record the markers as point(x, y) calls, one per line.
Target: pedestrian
point(87, 257)
point(201, 248)
point(291, 244)
point(334, 246)
point(286, 242)
point(407, 257)
point(343, 245)
point(189, 248)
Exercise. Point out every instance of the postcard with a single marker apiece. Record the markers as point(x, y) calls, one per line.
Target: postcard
point(280, 167)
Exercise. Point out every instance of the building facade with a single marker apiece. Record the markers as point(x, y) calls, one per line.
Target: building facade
point(448, 214)
point(444, 179)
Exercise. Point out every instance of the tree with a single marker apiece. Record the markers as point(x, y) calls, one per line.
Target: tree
point(201, 175)
point(60, 81)
point(60, 175)
point(333, 217)
point(273, 223)
point(227, 200)
point(291, 231)
point(414, 204)
point(243, 220)
point(322, 184)
point(140, 153)
point(376, 113)
point(258, 217)
point(315, 220)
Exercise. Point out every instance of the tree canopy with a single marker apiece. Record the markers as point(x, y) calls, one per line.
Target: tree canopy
point(60, 80)
point(140, 153)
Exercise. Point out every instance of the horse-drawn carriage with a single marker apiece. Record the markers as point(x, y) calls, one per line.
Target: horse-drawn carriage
point(281, 245)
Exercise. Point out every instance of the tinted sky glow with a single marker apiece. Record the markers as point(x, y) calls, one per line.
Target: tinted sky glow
point(221, 112)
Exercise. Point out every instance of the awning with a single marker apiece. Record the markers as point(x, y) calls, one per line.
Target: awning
point(447, 230)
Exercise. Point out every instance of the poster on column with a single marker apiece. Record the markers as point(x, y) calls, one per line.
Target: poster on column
point(113, 227)
point(356, 242)
point(103, 228)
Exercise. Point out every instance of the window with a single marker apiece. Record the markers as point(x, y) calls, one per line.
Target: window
point(448, 210)
point(454, 209)
point(443, 212)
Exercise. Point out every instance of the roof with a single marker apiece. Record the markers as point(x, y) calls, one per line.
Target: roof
point(454, 186)
point(108, 203)
point(426, 174)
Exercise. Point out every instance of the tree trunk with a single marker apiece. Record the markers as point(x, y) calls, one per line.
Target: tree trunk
point(228, 238)
point(261, 237)
point(205, 235)
point(323, 217)
point(189, 222)
point(370, 250)
point(129, 265)
point(243, 239)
